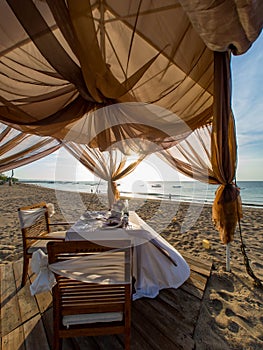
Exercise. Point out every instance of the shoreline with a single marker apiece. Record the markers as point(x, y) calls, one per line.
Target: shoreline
point(231, 312)
point(144, 195)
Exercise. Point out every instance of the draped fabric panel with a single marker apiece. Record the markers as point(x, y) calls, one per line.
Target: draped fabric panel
point(226, 208)
point(62, 59)
point(98, 44)
point(209, 154)
point(110, 166)
point(131, 127)
point(17, 148)
point(192, 157)
point(228, 24)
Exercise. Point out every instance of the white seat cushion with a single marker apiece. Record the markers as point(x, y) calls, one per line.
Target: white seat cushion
point(57, 234)
point(42, 244)
point(70, 320)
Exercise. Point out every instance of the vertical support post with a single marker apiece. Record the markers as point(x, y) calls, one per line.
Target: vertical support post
point(228, 257)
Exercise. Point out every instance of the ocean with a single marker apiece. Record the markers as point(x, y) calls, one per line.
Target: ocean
point(180, 191)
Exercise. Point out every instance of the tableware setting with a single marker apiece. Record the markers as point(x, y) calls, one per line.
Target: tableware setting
point(118, 216)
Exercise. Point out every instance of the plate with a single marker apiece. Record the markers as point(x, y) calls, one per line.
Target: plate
point(110, 227)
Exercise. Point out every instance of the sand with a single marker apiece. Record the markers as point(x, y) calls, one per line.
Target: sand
point(231, 315)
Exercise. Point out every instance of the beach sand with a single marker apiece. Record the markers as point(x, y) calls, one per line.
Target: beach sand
point(231, 315)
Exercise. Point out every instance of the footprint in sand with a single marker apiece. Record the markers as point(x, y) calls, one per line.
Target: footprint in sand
point(258, 265)
point(216, 305)
point(233, 327)
point(224, 295)
point(230, 312)
point(223, 283)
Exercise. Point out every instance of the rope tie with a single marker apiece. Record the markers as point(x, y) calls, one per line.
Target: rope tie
point(257, 281)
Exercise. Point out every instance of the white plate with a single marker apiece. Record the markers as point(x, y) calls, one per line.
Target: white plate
point(111, 227)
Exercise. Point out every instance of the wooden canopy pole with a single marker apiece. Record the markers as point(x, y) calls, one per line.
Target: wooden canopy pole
point(228, 257)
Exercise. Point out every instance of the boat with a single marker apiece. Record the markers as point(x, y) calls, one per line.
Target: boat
point(157, 185)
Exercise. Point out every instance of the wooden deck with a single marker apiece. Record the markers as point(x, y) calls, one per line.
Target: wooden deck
point(160, 323)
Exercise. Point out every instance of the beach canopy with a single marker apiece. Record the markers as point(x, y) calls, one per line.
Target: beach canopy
point(98, 73)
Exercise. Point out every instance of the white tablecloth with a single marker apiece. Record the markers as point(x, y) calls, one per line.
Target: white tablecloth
point(156, 263)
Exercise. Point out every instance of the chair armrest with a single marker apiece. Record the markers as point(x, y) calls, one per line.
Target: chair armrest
point(61, 223)
point(43, 238)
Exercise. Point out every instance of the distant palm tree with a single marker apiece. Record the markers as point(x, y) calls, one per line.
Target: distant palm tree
point(3, 179)
point(11, 178)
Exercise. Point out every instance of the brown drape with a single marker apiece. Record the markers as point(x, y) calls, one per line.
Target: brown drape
point(17, 148)
point(110, 53)
point(62, 59)
point(209, 154)
point(226, 24)
point(226, 208)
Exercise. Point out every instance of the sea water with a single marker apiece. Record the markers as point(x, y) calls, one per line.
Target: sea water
point(181, 191)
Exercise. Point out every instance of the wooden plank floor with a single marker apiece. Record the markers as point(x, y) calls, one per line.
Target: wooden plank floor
point(160, 323)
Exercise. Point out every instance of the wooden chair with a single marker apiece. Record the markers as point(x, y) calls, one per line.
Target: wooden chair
point(36, 232)
point(88, 308)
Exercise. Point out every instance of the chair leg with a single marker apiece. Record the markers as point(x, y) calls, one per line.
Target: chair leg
point(57, 342)
point(25, 271)
point(127, 341)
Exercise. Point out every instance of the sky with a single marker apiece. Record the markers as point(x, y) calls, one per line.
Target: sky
point(247, 105)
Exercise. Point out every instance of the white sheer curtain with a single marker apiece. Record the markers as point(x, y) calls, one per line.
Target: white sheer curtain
point(110, 165)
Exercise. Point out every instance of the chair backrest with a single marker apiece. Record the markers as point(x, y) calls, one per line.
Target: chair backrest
point(118, 259)
point(75, 297)
point(34, 222)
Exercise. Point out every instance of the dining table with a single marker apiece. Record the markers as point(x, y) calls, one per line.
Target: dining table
point(156, 264)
